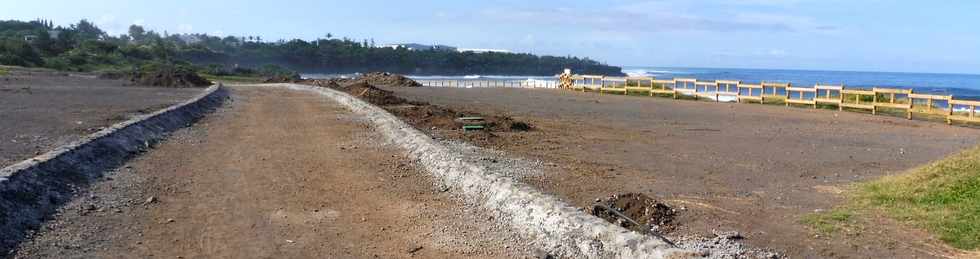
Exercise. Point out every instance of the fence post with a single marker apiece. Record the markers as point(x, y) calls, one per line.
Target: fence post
point(674, 89)
point(841, 106)
point(787, 95)
point(911, 103)
point(602, 85)
point(738, 93)
point(874, 100)
point(949, 111)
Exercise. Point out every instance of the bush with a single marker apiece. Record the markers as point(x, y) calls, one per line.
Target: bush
point(17, 52)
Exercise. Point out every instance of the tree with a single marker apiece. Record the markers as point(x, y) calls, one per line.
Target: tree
point(17, 52)
point(43, 42)
point(88, 31)
point(137, 33)
point(83, 46)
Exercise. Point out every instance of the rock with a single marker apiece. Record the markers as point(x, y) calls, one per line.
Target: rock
point(727, 234)
point(539, 254)
point(150, 200)
point(414, 249)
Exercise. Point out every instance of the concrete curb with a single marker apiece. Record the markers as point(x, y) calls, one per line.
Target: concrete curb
point(552, 224)
point(34, 188)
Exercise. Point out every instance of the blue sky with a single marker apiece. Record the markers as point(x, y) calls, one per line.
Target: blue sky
point(872, 35)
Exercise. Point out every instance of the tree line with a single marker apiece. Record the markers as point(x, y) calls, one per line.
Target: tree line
point(85, 47)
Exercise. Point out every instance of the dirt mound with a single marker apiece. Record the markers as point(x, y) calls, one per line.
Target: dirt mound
point(282, 79)
point(330, 82)
point(372, 94)
point(163, 77)
point(387, 79)
point(642, 213)
point(421, 115)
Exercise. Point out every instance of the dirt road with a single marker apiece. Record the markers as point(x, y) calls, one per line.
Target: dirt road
point(275, 174)
point(756, 169)
point(42, 110)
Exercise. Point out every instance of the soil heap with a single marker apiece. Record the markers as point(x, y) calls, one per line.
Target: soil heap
point(649, 214)
point(162, 77)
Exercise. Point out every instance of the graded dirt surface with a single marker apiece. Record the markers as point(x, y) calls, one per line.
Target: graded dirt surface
point(756, 169)
point(41, 110)
point(274, 174)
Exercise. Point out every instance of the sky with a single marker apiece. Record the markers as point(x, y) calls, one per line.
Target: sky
point(870, 35)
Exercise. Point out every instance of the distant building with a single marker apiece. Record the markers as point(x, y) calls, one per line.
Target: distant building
point(30, 38)
point(420, 47)
point(189, 38)
point(485, 50)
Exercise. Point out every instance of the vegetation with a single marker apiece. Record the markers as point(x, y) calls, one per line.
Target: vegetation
point(829, 222)
point(85, 47)
point(942, 197)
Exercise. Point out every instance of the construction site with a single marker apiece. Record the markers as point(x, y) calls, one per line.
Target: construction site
point(381, 166)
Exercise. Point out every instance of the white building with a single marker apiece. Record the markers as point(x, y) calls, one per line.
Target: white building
point(484, 50)
point(420, 47)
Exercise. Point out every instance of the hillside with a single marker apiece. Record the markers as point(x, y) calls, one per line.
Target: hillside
point(85, 47)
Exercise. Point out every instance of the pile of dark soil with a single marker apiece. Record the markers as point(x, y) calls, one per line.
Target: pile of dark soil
point(373, 78)
point(387, 79)
point(422, 115)
point(648, 214)
point(163, 77)
point(372, 94)
point(282, 79)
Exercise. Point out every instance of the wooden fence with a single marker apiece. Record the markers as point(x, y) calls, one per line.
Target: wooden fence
point(872, 100)
point(485, 83)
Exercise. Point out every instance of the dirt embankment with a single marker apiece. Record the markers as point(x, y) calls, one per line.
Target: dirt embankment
point(387, 79)
point(423, 115)
point(377, 79)
point(43, 109)
point(162, 77)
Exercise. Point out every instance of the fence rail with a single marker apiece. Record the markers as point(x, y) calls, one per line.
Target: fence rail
point(488, 83)
point(820, 94)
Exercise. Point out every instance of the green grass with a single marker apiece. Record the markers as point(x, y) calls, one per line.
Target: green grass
point(3, 71)
point(829, 222)
point(942, 197)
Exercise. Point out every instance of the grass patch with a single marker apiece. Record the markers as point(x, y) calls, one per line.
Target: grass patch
point(830, 221)
point(774, 100)
point(894, 112)
point(942, 197)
